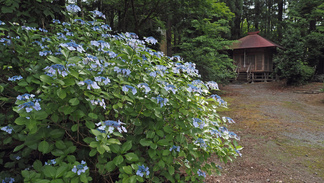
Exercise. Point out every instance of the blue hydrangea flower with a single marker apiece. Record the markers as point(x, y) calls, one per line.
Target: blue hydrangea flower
point(42, 30)
point(153, 74)
point(218, 99)
point(97, 13)
point(29, 106)
point(45, 53)
point(177, 148)
point(161, 101)
point(238, 152)
point(8, 180)
point(90, 84)
point(111, 54)
point(82, 22)
point(233, 135)
point(115, 124)
point(228, 119)
point(216, 132)
point(131, 35)
point(5, 41)
point(96, 28)
point(105, 80)
point(198, 123)
point(78, 169)
point(99, 102)
point(102, 44)
point(125, 89)
point(56, 68)
point(52, 162)
point(106, 27)
point(14, 78)
point(192, 88)
point(142, 170)
point(150, 40)
point(170, 87)
point(56, 21)
point(212, 85)
point(73, 8)
point(61, 36)
point(201, 173)
point(2, 23)
point(72, 46)
point(17, 157)
point(201, 142)
point(28, 28)
point(69, 34)
point(66, 24)
point(7, 129)
point(145, 86)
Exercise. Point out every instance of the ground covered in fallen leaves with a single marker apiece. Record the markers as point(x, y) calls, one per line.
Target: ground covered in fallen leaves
point(281, 130)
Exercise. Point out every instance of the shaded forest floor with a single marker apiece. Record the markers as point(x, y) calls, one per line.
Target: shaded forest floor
point(281, 130)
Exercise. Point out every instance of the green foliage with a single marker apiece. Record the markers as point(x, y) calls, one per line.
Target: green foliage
point(91, 106)
point(33, 12)
point(291, 63)
point(203, 44)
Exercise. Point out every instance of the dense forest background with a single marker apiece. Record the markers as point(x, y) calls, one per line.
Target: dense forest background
point(200, 30)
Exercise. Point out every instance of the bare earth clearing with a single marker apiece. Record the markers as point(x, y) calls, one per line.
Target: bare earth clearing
point(281, 130)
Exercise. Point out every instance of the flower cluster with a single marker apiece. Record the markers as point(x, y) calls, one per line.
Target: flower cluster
point(102, 126)
point(14, 78)
point(142, 170)
point(145, 86)
point(177, 148)
point(45, 53)
point(170, 87)
point(78, 169)
point(5, 41)
point(51, 162)
point(188, 67)
point(101, 44)
point(218, 99)
point(72, 46)
point(198, 123)
point(104, 80)
point(228, 119)
point(125, 72)
point(161, 101)
point(127, 87)
point(212, 85)
point(30, 104)
point(97, 13)
point(201, 142)
point(98, 101)
point(90, 84)
point(57, 68)
point(72, 8)
point(201, 173)
point(8, 180)
point(150, 40)
point(223, 131)
point(7, 129)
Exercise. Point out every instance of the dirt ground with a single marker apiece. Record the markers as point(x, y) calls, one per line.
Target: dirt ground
point(281, 130)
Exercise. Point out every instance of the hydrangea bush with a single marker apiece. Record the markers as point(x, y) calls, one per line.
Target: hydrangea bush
point(93, 106)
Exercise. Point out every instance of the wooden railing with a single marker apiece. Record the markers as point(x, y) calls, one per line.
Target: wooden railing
point(249, 72)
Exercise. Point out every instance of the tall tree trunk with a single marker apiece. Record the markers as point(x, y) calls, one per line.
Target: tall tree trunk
point(279, 24)
point(169, 37)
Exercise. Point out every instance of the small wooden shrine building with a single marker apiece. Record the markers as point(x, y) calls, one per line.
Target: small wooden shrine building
point(253, 56)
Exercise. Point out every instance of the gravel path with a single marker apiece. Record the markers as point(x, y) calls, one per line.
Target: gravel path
point(281, 129)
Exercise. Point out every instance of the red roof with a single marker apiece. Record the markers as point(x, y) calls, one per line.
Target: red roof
point(253, 40)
